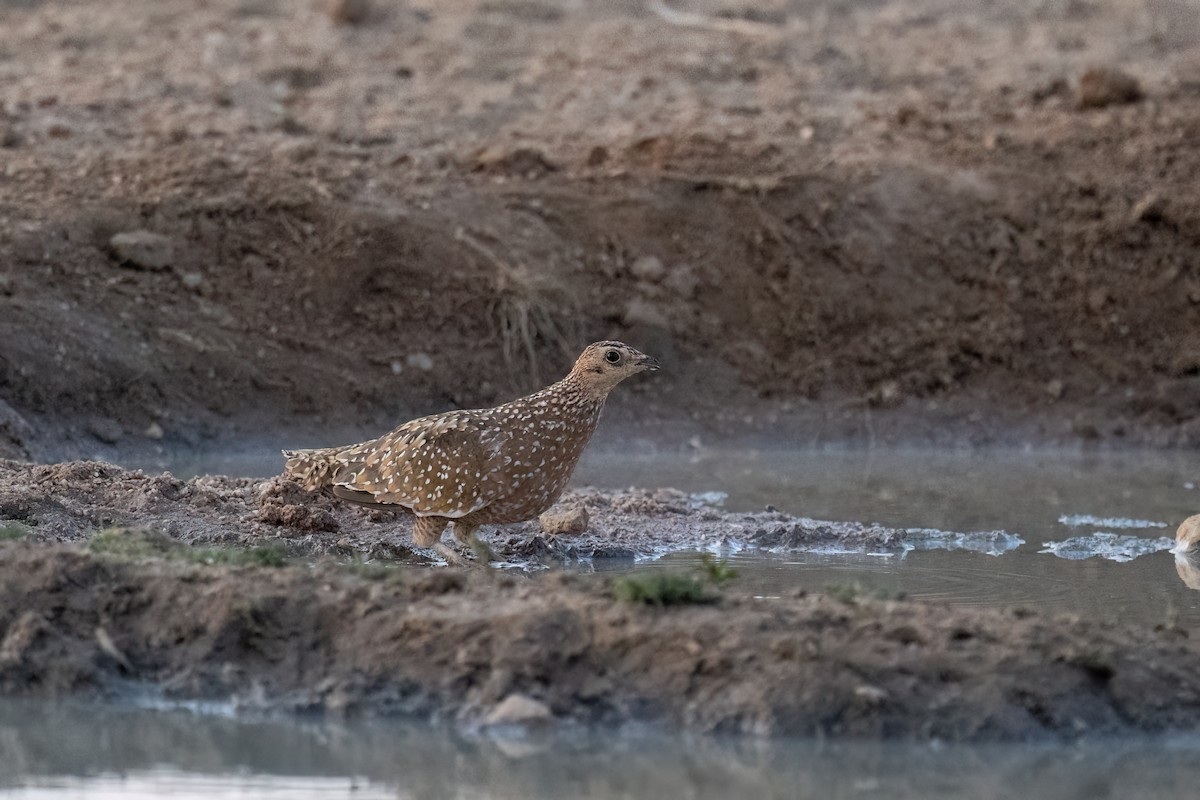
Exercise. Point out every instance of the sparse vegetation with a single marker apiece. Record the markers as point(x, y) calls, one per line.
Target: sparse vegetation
point(719, 572)
point(673, 588)
point(139, 544)
point(662, 589)
point(11, 531)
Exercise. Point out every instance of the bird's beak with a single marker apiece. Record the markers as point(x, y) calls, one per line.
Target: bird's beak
point(649, 363)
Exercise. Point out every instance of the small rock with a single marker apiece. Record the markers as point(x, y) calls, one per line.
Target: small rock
point(871, 695)
point(1105, 86)
point(154, 431)
point(1150, 208)
point(568, 521)
point(420, 361)
point(143, 249)
point(1055, 389)
point(519, 709)
point(348, 12)
point(10, 139)
point(648, 268)
point(192, 280)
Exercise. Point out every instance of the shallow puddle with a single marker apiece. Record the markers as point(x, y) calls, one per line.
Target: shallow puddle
point(1096, 527)
point(60, 751)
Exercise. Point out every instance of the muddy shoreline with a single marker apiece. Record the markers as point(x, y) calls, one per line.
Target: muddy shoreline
point(459, 647)
point(119, 585)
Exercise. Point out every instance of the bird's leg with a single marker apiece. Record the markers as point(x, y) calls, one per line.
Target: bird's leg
point(465, 534)
point(427, 533)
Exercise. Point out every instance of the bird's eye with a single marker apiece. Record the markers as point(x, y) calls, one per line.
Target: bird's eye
point(612, 357)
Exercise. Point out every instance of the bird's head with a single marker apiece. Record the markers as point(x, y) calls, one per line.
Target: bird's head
point(1187, 538)
point(605, 364)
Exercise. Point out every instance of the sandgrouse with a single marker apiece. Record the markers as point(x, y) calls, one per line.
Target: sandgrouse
point(487, 466)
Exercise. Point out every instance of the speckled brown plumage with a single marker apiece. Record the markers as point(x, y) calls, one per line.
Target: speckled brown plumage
point(486, 466)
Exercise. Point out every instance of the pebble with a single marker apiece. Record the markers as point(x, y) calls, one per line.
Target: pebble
point(348, 12)
point(1150, 208)
point(143, 249)
point(419, 361)
point(1105, 86)
point(154, 431)
point(573, 520)
point(519, 709)
point(648, 268)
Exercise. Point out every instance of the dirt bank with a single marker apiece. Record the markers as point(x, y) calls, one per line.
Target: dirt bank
point(895, 221)
point(115, 583)
point(456, 646)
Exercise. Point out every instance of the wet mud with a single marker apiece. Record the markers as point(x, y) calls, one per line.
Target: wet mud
point(121, 585)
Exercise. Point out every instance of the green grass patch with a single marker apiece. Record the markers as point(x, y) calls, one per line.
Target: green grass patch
point(718, 573)
point(12, 532)
point(138, 544)
point(268, 555)
point(662, 589)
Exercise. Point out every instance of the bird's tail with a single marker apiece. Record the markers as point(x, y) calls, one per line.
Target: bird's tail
point(312, 469)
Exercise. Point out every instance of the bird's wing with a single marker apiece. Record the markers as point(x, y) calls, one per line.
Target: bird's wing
point(437, 465)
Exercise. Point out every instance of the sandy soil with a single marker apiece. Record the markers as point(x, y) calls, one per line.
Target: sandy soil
point(905, 220)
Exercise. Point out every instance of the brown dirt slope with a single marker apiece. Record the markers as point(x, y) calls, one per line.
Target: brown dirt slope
point(453, 646)
point(811, 211)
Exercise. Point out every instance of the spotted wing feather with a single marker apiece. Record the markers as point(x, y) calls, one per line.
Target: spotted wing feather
point(437, 465)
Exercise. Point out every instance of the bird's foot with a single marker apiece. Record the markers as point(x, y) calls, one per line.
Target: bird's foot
point(451, 555)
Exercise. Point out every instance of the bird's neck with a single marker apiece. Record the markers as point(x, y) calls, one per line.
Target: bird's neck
point(577, 390)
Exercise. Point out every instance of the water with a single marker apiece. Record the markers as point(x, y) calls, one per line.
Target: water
point(60, 751)
point(66, 751)
point(1048, 498)
point(1044, 497)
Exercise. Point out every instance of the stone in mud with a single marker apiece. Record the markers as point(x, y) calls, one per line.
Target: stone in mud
point(648, 268)
point(348, 12)
point(564, 522)
point(1100, 87)
point(519, 709)
point(142, 249)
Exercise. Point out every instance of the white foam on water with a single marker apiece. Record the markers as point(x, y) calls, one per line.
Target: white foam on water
point(1103, 544)
point(992, 543)
point(711, 499)
point(1082, 520)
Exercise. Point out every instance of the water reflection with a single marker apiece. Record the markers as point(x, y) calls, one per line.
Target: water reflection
point(1188, 568)
point(65, 749)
